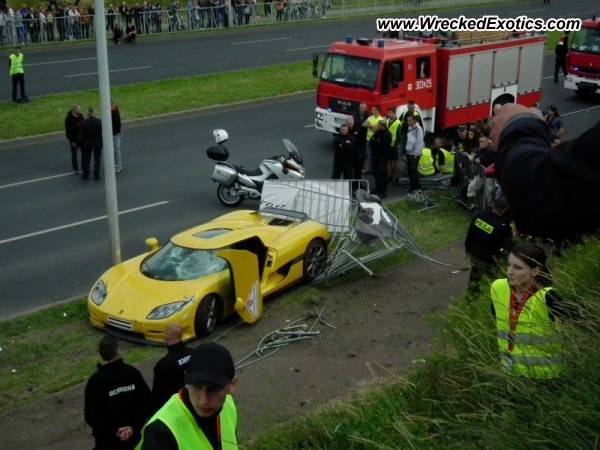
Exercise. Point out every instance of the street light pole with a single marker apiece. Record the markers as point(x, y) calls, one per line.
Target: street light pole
point(108, 158)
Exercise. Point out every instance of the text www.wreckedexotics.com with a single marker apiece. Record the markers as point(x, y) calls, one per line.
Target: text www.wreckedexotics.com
point(484, 23)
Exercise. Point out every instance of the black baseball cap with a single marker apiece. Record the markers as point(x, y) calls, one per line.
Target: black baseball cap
point(210, 363)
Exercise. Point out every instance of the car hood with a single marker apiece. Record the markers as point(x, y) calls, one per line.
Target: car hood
point(132, 295)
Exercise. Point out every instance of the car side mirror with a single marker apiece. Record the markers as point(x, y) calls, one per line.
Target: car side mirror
point(152, 243)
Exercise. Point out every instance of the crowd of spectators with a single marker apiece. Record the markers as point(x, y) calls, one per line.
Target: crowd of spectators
point(75, 20)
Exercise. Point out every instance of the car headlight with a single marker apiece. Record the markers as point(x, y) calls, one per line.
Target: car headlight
point(164, 311)
point(320, 116)
point(98, 294)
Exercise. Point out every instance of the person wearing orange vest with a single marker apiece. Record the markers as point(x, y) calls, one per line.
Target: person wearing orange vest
point(526, 311)
point(202, 415)
point(17, 74)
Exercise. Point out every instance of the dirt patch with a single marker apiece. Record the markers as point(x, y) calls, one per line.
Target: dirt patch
point(379, 330)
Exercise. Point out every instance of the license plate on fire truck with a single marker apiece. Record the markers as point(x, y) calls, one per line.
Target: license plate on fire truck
point(340, 120)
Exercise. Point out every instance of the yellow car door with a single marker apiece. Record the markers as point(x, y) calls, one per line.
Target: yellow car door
point(244, 270)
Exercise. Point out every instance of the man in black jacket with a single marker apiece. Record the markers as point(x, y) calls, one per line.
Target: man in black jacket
point(551, 192)
point(117, 400)
point(344, 154)
point(91, 142)
point(169, 370)
point(381, 143)
point(487, 236)
point(560, 60)
point(73, 123)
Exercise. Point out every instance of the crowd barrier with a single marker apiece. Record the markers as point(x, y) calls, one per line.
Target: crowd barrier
point(471, 188)
point(577, 122)
point(48, 26)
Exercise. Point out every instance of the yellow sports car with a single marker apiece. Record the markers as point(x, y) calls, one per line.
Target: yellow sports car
point(207, 273)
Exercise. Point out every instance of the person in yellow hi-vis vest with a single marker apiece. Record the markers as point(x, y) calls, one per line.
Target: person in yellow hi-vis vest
point(443, 160)
point(426, 167)
point(527, 313)
point(202, 415)
point(17, 75)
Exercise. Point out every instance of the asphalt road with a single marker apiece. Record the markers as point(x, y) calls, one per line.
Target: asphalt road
point(53, 234)
point(51, 70)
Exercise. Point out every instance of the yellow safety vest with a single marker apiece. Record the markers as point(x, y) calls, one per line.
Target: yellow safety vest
point(426, 168)
point(448, 161)
point(16, 64)
point(372, 121)
point(535, 351)
point(175, 415)
point(393, 127)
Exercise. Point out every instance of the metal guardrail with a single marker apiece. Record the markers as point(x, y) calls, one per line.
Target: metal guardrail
point(577, 122)
point(45, 25)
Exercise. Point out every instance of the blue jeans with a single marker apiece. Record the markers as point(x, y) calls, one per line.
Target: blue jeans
point(117, 152)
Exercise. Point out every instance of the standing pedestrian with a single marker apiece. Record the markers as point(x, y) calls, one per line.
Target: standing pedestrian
point(344, 154)
point(414, 149)
point(73, 123)
point(360, 134)
point(115, 115)
point(560, 59)
point(169, 370)
point(488, 234)
point(526, 309)
point(202, 415)
point(91, 143)
point(117, 400)
point(380, 142)
point(370, 125)
point(17, 75)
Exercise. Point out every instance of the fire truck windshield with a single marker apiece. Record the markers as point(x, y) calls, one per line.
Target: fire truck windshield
point(587, 40)
point(350, 71)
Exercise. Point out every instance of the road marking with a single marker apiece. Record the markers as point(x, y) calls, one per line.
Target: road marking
point(110, 71)
point(60, 62)
point(306, 48)
point(309, 126)
point(82, 222)
point(35, 180)
point(261, 40)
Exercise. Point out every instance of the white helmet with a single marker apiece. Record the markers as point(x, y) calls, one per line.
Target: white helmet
point(220, 136)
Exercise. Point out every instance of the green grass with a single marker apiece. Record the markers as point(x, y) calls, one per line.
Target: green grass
point(47, 114)
point(459, 398)
point(59, 344)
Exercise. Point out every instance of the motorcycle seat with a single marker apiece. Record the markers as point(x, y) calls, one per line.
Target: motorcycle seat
point(250, 172)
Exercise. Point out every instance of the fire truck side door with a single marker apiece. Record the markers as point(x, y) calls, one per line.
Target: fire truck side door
point(246, 283)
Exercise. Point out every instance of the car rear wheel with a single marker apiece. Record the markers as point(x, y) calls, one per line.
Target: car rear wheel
point(207, 315)
point(229, 196)
point(315, 259)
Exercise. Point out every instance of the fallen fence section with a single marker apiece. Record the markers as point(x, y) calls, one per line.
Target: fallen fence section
point(361, 228)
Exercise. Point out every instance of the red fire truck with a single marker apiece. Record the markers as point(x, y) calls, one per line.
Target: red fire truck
point(452, 81)
point(583, 59)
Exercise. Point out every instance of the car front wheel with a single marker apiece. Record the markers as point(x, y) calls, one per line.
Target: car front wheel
point(315, 259)
point(207, 315)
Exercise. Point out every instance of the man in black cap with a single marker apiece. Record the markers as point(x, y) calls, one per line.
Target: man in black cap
point(488, 234)
point(202, 415)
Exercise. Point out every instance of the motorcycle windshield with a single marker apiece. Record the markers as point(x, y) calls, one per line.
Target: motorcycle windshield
point(293, 152)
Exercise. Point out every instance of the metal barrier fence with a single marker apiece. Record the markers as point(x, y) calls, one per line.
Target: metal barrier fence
point(470, 187)
point(30, 25)
point(577, 122)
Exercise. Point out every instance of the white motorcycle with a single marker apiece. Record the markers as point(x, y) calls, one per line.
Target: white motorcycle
point(237, 183)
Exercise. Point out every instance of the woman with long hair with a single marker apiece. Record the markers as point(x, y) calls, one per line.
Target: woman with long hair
point(526, 311)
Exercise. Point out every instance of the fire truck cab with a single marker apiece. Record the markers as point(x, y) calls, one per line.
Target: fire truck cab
point(583, 59)
point(452, 82)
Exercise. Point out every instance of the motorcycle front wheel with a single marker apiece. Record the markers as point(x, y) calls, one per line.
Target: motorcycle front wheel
point(229, 196)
